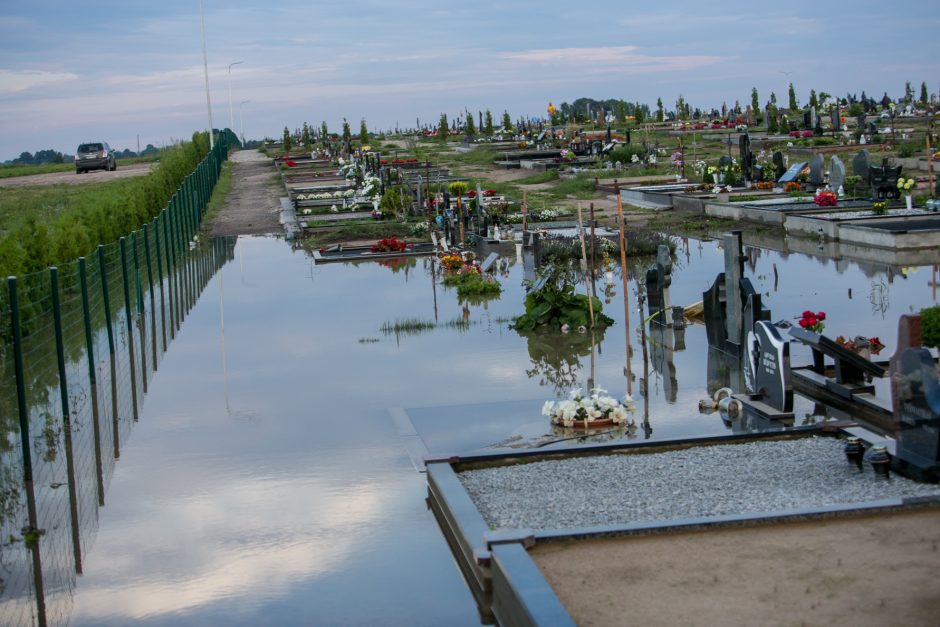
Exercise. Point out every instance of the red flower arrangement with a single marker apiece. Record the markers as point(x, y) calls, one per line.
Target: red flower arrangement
point(826, 199)
point(390, 245)
point(792, 186)
point(813, 321)
point(290, 164)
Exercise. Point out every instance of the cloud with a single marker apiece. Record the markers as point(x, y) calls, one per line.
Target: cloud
point(605, 59)
point(17, 81)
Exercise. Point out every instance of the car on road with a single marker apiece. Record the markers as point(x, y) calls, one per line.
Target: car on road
point(94, 156)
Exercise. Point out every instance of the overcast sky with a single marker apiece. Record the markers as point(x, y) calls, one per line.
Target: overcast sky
point(112, 70)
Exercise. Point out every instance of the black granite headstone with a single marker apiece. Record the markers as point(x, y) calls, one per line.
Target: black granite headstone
point(918, 413)
point(779, 167)
point(658, 280)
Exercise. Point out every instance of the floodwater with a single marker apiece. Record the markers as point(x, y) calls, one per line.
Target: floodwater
point(273, 476)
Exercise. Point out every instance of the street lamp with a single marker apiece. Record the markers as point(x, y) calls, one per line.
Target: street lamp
point(205, 67)
point(231, 115)
point(241, 121)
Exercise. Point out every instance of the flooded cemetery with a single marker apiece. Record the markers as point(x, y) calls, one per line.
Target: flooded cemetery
point(438, 388)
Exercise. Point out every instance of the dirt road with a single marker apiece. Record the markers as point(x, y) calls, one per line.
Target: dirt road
point(253, 203)
point(71, 178)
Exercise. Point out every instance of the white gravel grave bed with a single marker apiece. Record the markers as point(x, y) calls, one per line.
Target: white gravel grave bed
point(868, 213)
point(702, 481)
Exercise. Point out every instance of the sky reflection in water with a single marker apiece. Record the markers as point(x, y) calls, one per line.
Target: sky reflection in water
point(266, 482)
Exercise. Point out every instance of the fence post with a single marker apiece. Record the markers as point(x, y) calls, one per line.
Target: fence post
point(158, 221)
point(153, 306)
point(130, 325)
point(105, 293)
point(92, 377)
point(32, 539)
point(66, 417)
point(141, 318)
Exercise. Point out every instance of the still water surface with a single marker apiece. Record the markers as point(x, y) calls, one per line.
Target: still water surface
point(266, 482)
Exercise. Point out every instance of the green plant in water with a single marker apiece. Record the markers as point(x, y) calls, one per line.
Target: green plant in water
point(470, 282)
point(555, 304)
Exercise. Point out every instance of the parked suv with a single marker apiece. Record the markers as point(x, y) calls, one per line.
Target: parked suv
point(94, 156)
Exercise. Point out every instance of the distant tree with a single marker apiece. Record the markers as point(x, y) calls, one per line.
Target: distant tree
point(773, 127)
point(755, 100)
point(660, 114)
point(305, 135)
point(885, 101)
point(791, 105)
point(324, 133)
point(507, 120)
point(347, 135)
point(471, 127)
point(621, 111)
point(287, 140)
point(923, 94)
point(25, 158)
point(813, 100)
point(773, 98)
point(487, 123)
point(442, 128)
point(363, 132)
point(638, 113)
point(908, 92)
point(680, 105)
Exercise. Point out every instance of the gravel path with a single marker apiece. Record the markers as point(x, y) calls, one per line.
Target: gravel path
point(696, 482)
point(253, 204)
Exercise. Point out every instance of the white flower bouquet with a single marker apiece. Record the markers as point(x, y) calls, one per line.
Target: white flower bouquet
point(585, 411)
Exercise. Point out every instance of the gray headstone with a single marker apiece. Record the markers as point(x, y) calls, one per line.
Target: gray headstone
point(791, 174)
point(658, 280)
point(768, 362)
point(836, 173)
point(816, 170)
point(860, 164)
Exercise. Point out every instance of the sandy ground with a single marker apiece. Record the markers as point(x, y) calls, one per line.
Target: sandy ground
point(253, 203)
point(71, 178)
point(878, 570)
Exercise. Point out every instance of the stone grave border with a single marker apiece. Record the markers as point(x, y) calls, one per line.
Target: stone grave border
point(504, 580)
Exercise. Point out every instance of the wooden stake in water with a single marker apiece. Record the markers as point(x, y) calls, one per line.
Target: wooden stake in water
point(584, 265)
point(626, 293)
point(525, 212)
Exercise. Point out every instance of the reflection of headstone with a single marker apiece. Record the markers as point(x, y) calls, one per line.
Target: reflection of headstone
point(768, 360)
point(779, 167)
point(860, 164)
point(662, 338)
point(658, 280)
point(816, 170)
point(836, 173)
point(791, 175)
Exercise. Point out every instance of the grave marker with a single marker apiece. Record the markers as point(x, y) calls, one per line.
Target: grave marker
point(791, 175)
point(836, 173)
point(768, 363)
point(917, 398)
point(860, 164)
point(779, 167)
point(816, 170)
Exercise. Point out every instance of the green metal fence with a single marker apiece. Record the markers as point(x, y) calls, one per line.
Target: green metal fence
point(80, 345)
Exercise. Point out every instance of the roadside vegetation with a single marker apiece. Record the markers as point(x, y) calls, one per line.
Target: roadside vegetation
point(43, 226)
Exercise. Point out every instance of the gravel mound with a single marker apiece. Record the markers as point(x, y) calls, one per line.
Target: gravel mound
point(697, 482)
